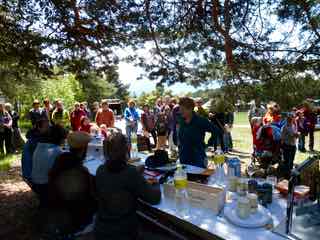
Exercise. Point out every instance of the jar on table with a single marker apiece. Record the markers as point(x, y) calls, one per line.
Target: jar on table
point(233, 183)
point(242, 187)
point(253, 199)
point(243, 208)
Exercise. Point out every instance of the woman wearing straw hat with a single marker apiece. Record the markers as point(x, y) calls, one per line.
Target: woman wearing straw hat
point(131, 116)
point(71, 188)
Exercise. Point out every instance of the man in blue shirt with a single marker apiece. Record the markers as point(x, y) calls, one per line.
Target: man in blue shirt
point(132, 117)
point(192, 131)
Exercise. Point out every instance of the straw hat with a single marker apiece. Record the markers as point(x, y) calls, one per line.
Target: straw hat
point(78, 139)
point(36, 101)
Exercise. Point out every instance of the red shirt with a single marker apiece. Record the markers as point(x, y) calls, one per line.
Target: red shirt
point(75, 119)
point(148, 121)
point(85, 128)
point(105, 117)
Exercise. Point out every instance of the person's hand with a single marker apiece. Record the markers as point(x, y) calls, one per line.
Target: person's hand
point(152, 181)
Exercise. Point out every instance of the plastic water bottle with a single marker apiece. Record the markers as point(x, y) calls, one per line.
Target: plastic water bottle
point(219, 161)
point(134, 146)
point(181, 196)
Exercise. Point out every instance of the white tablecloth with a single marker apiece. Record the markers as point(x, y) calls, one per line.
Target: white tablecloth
point(207, 220)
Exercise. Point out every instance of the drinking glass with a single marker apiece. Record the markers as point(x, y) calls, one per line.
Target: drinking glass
point(273, 181)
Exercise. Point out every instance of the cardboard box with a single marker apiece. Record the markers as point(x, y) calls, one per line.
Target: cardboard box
point(200, 195)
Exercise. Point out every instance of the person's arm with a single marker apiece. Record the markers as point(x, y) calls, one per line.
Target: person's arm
point(112, 119)
point(250, 115)
point(211, 128)
point(145, 191)
point(53, 117)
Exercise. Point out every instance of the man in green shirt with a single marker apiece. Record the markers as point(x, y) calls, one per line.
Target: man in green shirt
point(59, 115)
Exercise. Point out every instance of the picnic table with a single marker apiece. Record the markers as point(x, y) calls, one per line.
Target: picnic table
point(202, 223)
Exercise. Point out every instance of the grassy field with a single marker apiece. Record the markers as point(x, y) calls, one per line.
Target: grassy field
point(242, 138)
point(241, 118)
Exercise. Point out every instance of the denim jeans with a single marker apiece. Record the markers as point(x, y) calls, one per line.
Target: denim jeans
point(302, 142)
point(228, 141)
point(130, 130)
point(219, 140)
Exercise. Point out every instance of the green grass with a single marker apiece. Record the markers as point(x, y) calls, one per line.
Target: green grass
point(241, 118)
point(6, 161)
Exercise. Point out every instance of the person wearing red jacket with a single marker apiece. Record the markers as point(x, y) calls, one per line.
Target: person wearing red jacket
point(75, 117)
point(85, 125)
point(310, 122)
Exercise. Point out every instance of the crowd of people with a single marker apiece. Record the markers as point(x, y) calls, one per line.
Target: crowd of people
point(277, 136)
point(73, 196)
point(10, 135)
point(69, 192)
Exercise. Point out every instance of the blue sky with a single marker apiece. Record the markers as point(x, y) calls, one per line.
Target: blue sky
point(129, 74)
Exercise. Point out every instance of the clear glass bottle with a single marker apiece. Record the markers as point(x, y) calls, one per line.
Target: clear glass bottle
point(134, 146)
point(181, 194)
point(219, 160)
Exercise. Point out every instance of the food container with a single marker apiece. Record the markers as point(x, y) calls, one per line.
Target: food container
point(233, 183)
point(213, 198)
point(243, 208)
point(242, 187)
point(253, 199)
